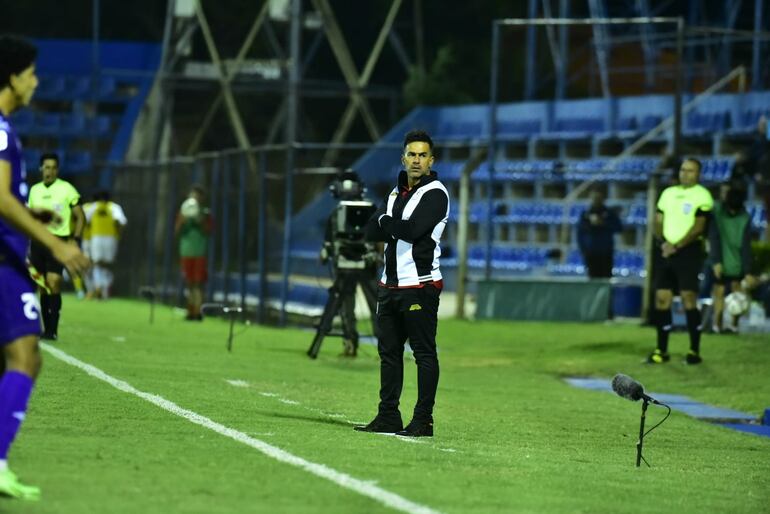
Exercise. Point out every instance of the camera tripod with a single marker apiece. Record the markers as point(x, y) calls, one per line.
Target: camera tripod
point(341, 301)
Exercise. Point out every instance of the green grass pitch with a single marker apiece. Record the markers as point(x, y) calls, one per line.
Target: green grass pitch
point(511, 435)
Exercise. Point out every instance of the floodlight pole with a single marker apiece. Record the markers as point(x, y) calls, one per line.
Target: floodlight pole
point(677, 136)
point(491, 157)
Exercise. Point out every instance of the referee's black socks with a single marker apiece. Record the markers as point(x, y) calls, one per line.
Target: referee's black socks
point(50, 304)
point(55, 305)
point(693, 327)
point(663, 324)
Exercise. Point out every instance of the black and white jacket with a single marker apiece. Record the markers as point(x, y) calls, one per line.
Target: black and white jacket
point(411, 223)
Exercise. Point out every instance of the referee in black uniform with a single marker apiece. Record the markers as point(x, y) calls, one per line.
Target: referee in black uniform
point(410, 222)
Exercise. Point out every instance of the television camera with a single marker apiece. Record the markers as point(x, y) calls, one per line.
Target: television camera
point(354, 261)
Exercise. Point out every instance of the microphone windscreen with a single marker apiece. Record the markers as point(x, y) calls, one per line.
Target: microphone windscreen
point(627, 387)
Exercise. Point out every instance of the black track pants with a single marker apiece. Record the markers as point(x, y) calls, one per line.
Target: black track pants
point(407, 314)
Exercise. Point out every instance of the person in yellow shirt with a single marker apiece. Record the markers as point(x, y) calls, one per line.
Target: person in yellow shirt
point(83, 283)
point(681, 223)
point(61, 197)
point(105, 220)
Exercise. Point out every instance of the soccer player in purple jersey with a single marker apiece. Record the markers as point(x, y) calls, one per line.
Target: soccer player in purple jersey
point(19, 309)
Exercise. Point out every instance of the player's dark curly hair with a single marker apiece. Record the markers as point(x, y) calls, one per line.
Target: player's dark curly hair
point(418, 135)
point(16, 55)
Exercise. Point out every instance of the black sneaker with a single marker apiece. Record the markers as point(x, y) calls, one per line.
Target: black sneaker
point(417, 429)
point(693, 358)
point(48, 337)
point(658, 357)
point(381, 426)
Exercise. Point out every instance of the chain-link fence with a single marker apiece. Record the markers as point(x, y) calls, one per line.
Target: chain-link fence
point(251, 260)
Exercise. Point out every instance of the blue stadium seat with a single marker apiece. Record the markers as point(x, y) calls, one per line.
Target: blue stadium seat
point(573, 265)
point(460, 130)
point(32, 159)
point(575, 211)
point(77, 162)
point(106, 88)
point(99, 125)
point(705, 123)
point(73, 124)
point(575, 128)
point(746, 122)
point(518, 129)
point(717, 169)
point(47, 124)
point(626, 124)
point(78, 88)
point(50, 88)
point(23, 121)
point(649, 122)
point(758, 217)
point(637, 215)
point(628, 264)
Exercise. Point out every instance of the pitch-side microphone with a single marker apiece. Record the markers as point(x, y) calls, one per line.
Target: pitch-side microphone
point(630, 389)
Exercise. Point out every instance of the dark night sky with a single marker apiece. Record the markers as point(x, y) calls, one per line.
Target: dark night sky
point(464, 25)
point(461, 26)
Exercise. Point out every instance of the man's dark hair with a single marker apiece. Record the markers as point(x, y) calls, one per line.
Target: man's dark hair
point(197, 188)
point(102, 196)
point(696, 161)
point(16, 55)
point(49, 155)
point(418, 135)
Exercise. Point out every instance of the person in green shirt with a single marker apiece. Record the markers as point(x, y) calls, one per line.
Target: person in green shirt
point(61, 197)
point(193, 227)
point(681, 223)
point(730, 251)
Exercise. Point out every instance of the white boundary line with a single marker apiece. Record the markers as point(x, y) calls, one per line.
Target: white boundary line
point(344, 480)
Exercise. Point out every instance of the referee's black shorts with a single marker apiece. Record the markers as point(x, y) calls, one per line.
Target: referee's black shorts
point(43, 260)
point(680, 271)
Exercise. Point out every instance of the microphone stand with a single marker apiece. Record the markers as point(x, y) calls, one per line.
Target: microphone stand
point(149, 293)
point(231, 312)
point(640, 443)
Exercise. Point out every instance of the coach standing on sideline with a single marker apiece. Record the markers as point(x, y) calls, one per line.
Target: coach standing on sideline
point(410, 221)
point(681, 223)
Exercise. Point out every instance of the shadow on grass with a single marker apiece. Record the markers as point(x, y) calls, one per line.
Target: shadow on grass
point(299, 417)
point(618, 347)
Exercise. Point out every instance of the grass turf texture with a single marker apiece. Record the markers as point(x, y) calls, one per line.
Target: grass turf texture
point(523, 440)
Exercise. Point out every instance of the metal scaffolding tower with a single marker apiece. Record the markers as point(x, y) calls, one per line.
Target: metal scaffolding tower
point(281, 25)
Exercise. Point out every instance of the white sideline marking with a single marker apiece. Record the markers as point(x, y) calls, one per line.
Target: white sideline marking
point(238, 383)
point(362, 487)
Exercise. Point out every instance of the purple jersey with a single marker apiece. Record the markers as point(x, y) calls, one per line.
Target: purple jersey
point(19, 307)
point(13, 244)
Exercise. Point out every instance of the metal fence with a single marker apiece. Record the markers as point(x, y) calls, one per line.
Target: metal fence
point(247, 252)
